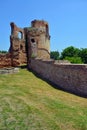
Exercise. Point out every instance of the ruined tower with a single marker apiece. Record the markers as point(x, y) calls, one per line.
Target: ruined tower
point(17, 45)
point(29, 42)
point(38, 40)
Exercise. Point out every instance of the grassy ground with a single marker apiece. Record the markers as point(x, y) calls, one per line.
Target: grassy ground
point(28, 103)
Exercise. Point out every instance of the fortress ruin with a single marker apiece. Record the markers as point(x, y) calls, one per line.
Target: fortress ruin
point(27, 43)
point(31, 46)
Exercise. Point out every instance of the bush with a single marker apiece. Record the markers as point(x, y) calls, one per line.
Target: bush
point(76, 60)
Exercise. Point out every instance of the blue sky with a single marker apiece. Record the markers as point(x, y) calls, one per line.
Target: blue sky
point(67, 20)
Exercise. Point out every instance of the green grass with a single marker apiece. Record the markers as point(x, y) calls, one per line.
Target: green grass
point(29, 103)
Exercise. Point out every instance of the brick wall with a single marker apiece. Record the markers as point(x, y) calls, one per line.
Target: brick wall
point(69, 77)
point(5, 60)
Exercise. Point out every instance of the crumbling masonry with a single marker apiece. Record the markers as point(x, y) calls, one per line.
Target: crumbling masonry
point(27, 43)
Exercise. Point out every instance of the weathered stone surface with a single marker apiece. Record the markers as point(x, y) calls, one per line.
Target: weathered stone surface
point(17, 46)
point(38, 40)
point(10, 70)
point(69, 77)
point(27, 43)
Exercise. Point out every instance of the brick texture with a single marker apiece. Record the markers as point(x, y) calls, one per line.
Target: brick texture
point(69, 77)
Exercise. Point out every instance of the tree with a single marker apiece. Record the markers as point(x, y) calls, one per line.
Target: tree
point(76, 60)
point(70, 52)
point(54, 55)
point(83, 55)
point(3, 52)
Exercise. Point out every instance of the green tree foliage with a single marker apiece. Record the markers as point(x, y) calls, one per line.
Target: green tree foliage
point(54, 55)
point(3, 51)
point(83, 55)
point(76, 60)
point(70, 52)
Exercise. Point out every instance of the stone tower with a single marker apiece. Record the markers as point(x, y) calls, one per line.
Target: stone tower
point(29, 42)
point(38, 40)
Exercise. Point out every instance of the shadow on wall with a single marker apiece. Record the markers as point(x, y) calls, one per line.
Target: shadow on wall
point(56, 86)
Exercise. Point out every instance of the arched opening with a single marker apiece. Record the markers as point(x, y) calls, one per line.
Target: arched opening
point(20, 35)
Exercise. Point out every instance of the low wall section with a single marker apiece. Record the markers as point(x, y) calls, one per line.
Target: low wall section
point(69, 77)
point(5, 60)
point(10, 70)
